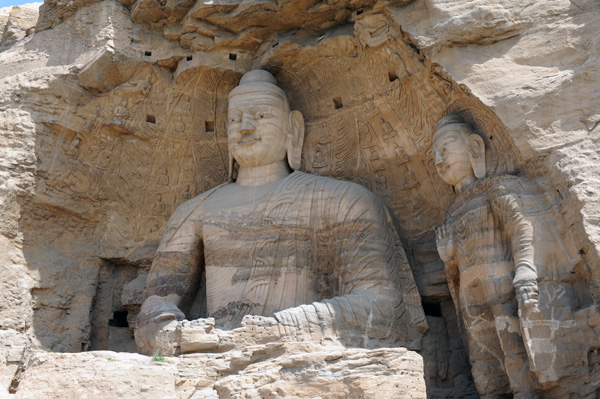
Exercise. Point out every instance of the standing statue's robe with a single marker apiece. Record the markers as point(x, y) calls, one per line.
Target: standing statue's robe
point(317, 254)
point(505, 231)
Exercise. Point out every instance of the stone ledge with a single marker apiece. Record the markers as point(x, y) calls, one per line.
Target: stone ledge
point(274, 371)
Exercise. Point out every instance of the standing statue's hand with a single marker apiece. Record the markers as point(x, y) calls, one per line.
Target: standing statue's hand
point(444, 237)
point(153, 331)
point(527, 297)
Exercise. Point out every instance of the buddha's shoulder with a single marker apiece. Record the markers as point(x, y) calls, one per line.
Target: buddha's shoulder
point(194, 205)
point(329, 185)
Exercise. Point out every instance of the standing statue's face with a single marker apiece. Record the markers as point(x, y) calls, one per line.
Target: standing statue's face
point(452, 159)
point(257, 128)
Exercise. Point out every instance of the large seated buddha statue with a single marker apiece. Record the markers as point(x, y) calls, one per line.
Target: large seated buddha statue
point(311, 258)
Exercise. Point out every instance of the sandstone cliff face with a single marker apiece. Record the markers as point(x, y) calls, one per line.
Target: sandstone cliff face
point(17, 22)
point(112, 113)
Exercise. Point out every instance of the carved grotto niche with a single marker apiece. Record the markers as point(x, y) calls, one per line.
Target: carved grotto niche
point(151, 144)
point(370, 101)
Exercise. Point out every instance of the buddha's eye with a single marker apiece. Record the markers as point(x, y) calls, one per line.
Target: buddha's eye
point(262, 114)
point(234, 119)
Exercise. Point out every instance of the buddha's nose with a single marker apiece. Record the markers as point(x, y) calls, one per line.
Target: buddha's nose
point(247, 126)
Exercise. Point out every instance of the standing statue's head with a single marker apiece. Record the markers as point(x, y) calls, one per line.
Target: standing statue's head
point(459, 152)
point(261, 128)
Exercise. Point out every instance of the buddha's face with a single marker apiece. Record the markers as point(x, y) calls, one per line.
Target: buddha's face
point(452, 157)
point(257, 128)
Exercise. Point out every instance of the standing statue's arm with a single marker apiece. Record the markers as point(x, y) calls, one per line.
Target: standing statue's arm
point(511, 209)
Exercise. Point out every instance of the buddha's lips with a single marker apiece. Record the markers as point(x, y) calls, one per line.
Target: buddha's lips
point(249, 140)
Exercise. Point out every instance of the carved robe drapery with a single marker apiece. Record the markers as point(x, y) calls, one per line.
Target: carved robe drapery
point(315, 252)
point(507, 232)
point(505, 223)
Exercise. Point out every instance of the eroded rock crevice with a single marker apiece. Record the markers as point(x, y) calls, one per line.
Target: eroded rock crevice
point(110, 318)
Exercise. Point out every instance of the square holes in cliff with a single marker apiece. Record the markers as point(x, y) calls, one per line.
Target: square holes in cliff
point(337, 103)
point(209, 127)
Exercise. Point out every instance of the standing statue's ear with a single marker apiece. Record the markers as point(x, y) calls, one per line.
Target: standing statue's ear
point(476, 148)
point(295, 140)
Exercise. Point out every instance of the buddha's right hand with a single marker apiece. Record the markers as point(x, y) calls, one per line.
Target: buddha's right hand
point(155, 326)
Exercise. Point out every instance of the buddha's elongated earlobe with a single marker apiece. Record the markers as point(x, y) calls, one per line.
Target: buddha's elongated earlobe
point(295, 139)
point(232, 172)
point(476, 149)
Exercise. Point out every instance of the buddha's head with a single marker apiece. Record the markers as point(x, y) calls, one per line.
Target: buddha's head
point(261, 128)
point(459, 152)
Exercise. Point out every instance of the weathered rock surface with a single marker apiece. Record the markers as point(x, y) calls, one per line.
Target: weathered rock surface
point(96, 102)
point(297, 371)
point(17, 22)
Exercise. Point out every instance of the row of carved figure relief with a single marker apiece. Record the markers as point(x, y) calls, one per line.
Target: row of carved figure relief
point(138, 151)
